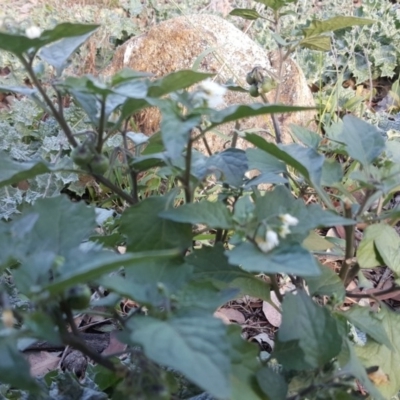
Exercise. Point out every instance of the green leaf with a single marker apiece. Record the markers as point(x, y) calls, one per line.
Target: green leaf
point(145, 230)
point(12, 171)
point(339, 22)
point(26, 91)
point(363, 141)
point(369, 322)
point(305, 160)
point(192, 343)
point(327, 284)
point(305, 136)
point(151, 281)
point(275, 4)
point(245, 364)
point(212, 214)
point(235, 112)
point(264, 162)
point(351, 365)
point(272, 383)
point(57, 54)
point(210, 263)
point(332, 172)
point(246, 13)
point(315, 242)
point(19, 44)
point(175, 128)
point(318, 43)
point(313, 326)
point(376, 354)
point(230, 166)
point(204, 296)
point(287, 258)
point(176, 81)
point(14, 369)
point(83, 267)
point(367, 254)
point(388, 245)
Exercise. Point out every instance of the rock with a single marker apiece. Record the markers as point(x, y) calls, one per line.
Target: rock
point(216, 46)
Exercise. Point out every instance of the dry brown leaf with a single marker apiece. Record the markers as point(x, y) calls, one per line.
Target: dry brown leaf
point(273, 316)
point(223, 317)
point(233, 315)
point(43, 362)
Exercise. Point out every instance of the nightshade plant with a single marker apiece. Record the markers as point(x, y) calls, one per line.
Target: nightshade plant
point(191, 249)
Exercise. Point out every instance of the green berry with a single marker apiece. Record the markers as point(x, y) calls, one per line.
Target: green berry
point(254, 91)
point(100, 164)
point(250, 78)
point(78, 297)
point(268, 85)
point(82, 155)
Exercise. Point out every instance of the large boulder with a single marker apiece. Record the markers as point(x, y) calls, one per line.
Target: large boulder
point(215, 46)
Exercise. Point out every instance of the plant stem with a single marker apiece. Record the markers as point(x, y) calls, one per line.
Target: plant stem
point(59, 118)
point(117, 190)
point(275, 287)
point(186, 179)
point(101, 126)
point(132, 172)
point(349, 252)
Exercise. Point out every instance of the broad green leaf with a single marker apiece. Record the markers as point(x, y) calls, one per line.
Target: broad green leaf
point(246, 13)
point(367, 254)
point(369, 322)
point(264, 162)
point(192, 343)
point(351, 365)
point(41, 326)
point(363, 141)
point(339, 22)
point(175, 128)
point(235, 112)
point(376, 354)
point(275, 4)
point(24, 90)
point(150, 281)
point(19, 44)
point(315, 242)
point(145, 230)
point(319, 43)
point(176, 81)
point(288, 258)
point(128, 74)
point(210, 263)
point(230, 166)
point(245, 364)
point(313, 326)
point(272, 383)
point(14, 369)
point(305, 136)
point(290, 355)
point(205, 296)
point(57, 54)
point(327, 284)
point(83, 267)
point(12, 171)
point(212, 214)
point(388, 246)
point(332, 173)
point(305, 160)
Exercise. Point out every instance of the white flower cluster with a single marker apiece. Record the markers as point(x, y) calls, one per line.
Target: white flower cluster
point(33, 32)
point(272, 237)
point(210, 93)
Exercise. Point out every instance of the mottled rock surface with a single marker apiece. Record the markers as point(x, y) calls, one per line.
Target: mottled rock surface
point(216, 46)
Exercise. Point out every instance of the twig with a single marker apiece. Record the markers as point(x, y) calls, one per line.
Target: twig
point(186, 179)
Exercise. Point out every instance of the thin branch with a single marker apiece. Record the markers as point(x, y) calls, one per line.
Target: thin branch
point(117, 190)
point(186, 178)
point(101, 125)
point(349, 252)
point(61, 121)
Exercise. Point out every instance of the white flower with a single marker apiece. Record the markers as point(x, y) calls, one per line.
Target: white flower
point(289, 220)
point(33, 32)
point(211, 92)
point(284, 231)
point(271, 241)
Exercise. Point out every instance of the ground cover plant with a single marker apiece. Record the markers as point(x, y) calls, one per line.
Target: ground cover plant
point(121, 247)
